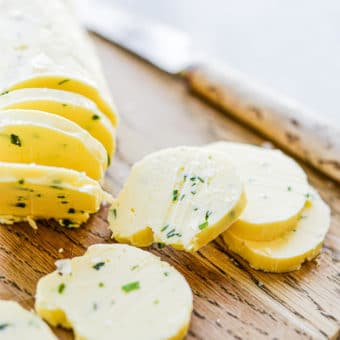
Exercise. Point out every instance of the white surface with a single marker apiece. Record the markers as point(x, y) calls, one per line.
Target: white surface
point(292, 46)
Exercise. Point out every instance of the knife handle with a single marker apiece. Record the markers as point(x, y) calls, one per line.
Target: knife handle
point(280, 119)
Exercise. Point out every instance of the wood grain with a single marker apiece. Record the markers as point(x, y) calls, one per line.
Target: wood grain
point(231, 300)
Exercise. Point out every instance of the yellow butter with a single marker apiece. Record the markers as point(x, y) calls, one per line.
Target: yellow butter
point(184, 197)
point(116, 291)
point(32, 192)
point(72, 106)
point(28, 136)
point(18, 323)
point(288, 252)
point(44, 46)
point(276, 187)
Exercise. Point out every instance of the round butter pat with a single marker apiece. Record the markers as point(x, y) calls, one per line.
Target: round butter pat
point(28, 136)
point(18, 323)
point(276, 187)
point(288, 252)
point(116, 291)
point(184, 197)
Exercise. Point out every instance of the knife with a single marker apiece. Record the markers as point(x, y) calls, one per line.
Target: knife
point(282, 120)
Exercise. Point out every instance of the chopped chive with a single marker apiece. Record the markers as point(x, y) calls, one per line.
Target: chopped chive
point(174, 195)
point(20, 205)
point(21, 181)
point(308, 195)
point(185, 177)
point(98, 265)
point(171, 233)
point(182, 197)
point(134, 267)
point(165, 227)
point(95, 117)
point(193, 184)
point(289, 188)
point(4, 325)
point(203, 225)
point(166, 273)
point(101, 284)
point(195, 209)
point(193, 178)
point(131, 286)
point(64, 105)
point(71, 211)
point(63, 81)
point(108, 160)
point(15, 140)
point(200, 179)
point(61, 288)
point(56, 187)
point(160, 245)
point(3, 93)
point(208, 214)
point(193, 192)
point(114, 212)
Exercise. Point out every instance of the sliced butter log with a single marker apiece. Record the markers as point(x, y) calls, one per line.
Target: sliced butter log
point(276, 188)
point(50, 50)
point(184, 197)
point(28, 136)
point(288, 252)
point(18, 323)
point(32, 192)
point(72, 106)
point(116, 291)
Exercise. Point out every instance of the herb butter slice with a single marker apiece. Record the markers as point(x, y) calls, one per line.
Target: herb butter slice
point(184, 197)
point(30, 192)
point(18, 323)
point(288, 252)
point(49, 50)
point(276, 186)
point(28, 136)
point(116, 291)
point(69, 105)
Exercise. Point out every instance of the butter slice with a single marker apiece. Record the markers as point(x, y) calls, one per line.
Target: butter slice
point(184, 197)
point(288, 252)
point(72, 106)
point(18, 323)
point(30, 192)
point(28, 136)
point(116, 291)
point(45, 46)
point(276, 187)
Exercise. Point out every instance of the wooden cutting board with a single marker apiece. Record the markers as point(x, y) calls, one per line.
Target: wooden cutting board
point(231, 301)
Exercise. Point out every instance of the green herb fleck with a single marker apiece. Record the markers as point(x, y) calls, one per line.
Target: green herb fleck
point(193, 192)
point(195, 209)
point(129, 287)
point(15, 140)
point(20, 205)
point(160, 245)
point(200, 179)
point(63, 81)
point(171, 233)
point(182, 197)
point(21, 181)
point(71, 211)
point(135, 267)
point(174, 195)
point(114, 212)
point(3, 93)
point(4, 325)
point(193, 178)
point(156, 302)
point(98, 265)
point(207, 215)
point(165, 227)
point(166, 273)
point(308, 195)
point(64, 105)
point(203, 225)
point(58, 187)
point(61, 288)
point(95, 117)
point(185, 177)
point(289, 188)
point(101, 284)
point(108, 160)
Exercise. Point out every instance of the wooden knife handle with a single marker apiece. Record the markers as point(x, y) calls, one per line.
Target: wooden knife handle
point(280, 119)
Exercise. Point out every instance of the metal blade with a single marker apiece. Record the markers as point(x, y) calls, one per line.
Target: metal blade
point(160, 45)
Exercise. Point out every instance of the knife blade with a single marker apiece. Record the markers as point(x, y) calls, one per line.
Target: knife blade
point(282, 120)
